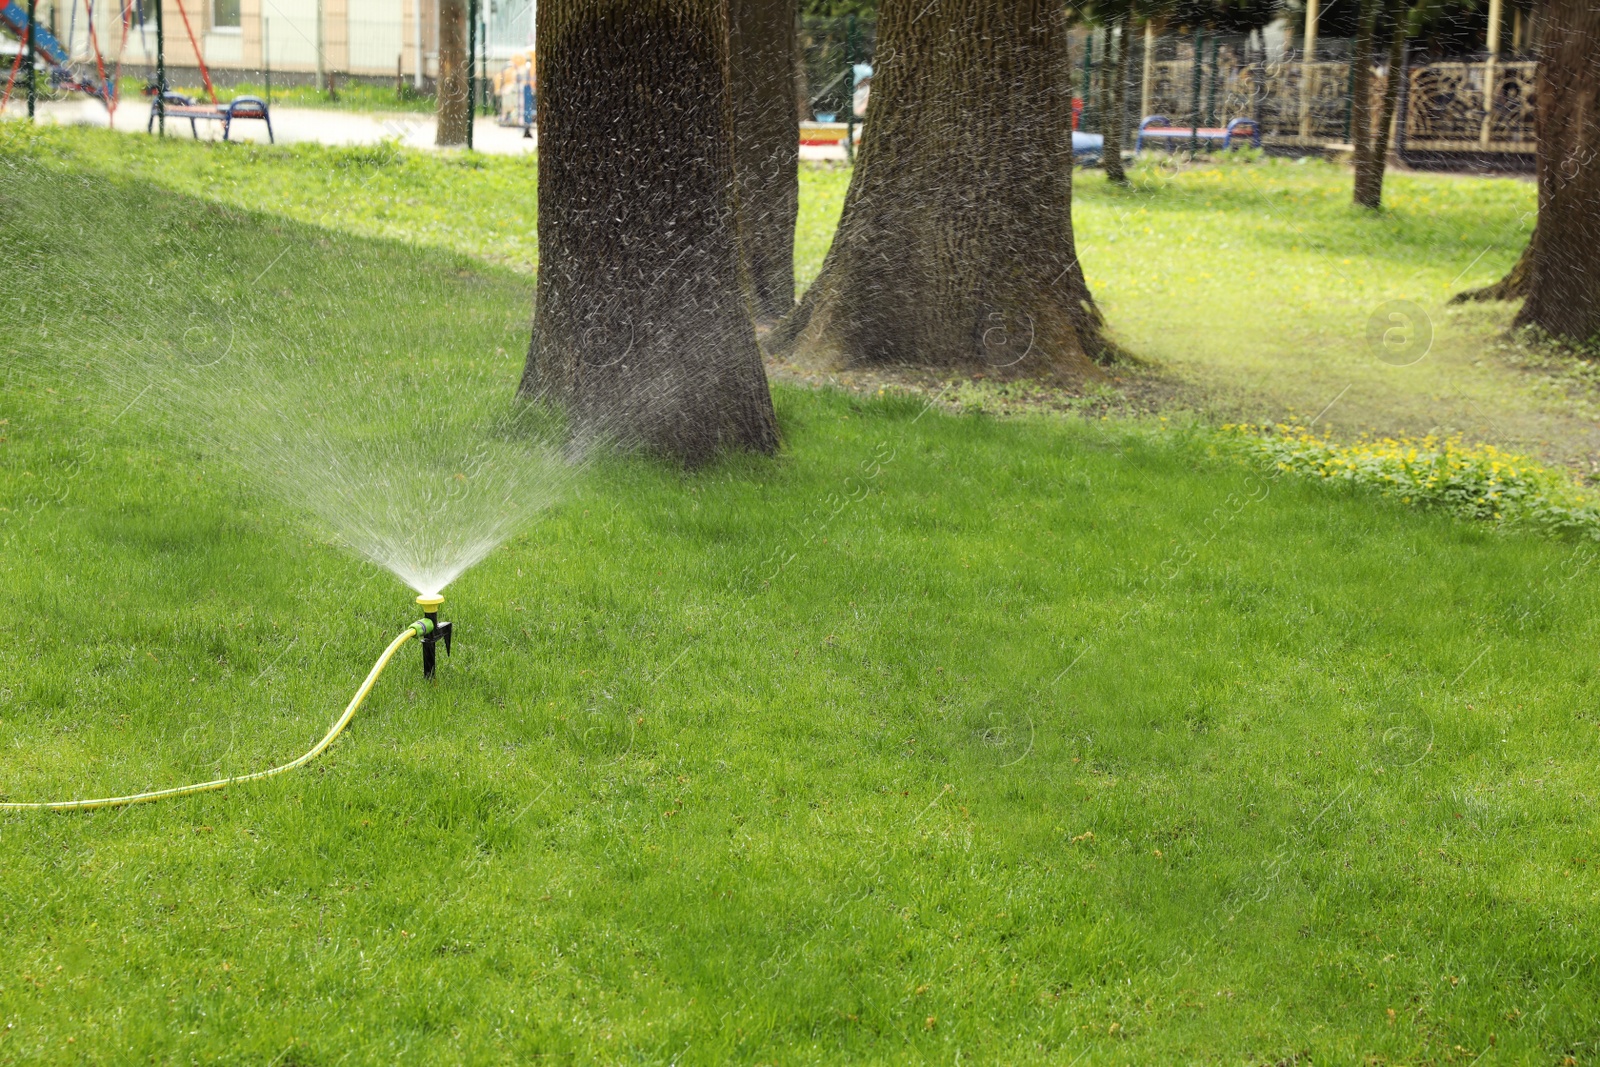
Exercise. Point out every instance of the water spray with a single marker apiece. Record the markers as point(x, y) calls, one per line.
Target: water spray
point(423, 477)
point(428, 629)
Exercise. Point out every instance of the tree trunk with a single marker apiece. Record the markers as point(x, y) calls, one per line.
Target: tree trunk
point(1379, 162)
point(955, 248)
point(641, 333)
point(1564, 274)
point(802, 87)
point(1117, 116)
point(766, 150)
point(1361, 102)
point(1514, 286)
point(455, 110)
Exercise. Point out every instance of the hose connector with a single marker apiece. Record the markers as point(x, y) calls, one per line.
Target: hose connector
point(431, 631)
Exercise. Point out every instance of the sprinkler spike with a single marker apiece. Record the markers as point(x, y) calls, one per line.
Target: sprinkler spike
point(433, 632)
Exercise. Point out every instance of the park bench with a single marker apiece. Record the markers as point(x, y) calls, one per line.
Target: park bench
point(824, 133)
point(1157, 128)
point(179, 106)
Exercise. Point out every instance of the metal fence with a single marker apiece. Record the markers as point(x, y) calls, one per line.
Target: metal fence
point(1306, 103)
point(1480, 107)
point(1448, 110)
point(834, 58)
point(1293, 100)
point(1200, 79)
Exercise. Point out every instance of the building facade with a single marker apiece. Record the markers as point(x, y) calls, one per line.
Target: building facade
point(241, 40)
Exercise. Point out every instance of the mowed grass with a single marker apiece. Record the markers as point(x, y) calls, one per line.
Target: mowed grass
point(1252, 287)
point(1024, 741)
point(481, 205)
point(345, 96)
point(1264, 290)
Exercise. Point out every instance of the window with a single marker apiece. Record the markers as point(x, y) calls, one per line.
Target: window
point(225, 14)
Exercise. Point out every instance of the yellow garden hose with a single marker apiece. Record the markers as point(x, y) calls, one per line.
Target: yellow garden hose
point(420, 628)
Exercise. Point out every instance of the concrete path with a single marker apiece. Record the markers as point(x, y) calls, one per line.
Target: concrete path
point(293, 125)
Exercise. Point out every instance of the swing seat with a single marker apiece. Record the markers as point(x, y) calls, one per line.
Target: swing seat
point(53, 57)
point(64, 81)
point(1157, 128)
point(179, 106)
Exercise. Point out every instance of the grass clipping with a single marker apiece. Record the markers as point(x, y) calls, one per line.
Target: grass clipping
point(1472, 481)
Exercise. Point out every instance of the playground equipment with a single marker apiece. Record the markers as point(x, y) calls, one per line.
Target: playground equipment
point(515, 86)
point(1158, 128)
point(179, 106)
point(40, 42)
point(1088, 148)
point(428, 629)
point(166, 103)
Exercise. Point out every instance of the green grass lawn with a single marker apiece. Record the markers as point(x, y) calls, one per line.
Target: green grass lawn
point(481, 205)
point(1025, 741)
point(1250, 286)
point(1256, 285)
point(346, 96)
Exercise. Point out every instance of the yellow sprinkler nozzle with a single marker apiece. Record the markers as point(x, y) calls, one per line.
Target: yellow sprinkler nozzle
point(432, 631)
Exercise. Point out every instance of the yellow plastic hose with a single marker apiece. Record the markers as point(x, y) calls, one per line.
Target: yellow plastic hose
point(414, 630)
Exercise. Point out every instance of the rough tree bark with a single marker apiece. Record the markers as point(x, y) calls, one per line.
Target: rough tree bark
point(1372, 146)
point(955, 248)
point(1361, 96)
point(1370, 184)
point(1564, 270)
point(1117, 117)
point(455, 110)
point(1514, 286)
point(762, 44)
point(641, 333)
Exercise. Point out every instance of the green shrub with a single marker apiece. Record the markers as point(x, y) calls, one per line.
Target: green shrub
point(1475, 481)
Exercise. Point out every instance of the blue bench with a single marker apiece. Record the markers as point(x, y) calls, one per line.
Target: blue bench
point(179, 106)
point(1158, 128)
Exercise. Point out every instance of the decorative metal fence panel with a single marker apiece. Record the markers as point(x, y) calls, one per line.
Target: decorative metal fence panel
point(1303, 106)
point(1241, 84)
point(1445, 108)
point(1286, 116)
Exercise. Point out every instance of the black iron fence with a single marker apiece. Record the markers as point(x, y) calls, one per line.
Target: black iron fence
point(1303, 103)
point(835, 58)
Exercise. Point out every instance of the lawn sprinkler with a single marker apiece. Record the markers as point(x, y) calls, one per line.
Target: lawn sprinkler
point(433, 631)
point(428, 629)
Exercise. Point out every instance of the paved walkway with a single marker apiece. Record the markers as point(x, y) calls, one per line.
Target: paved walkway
point(292, 125)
